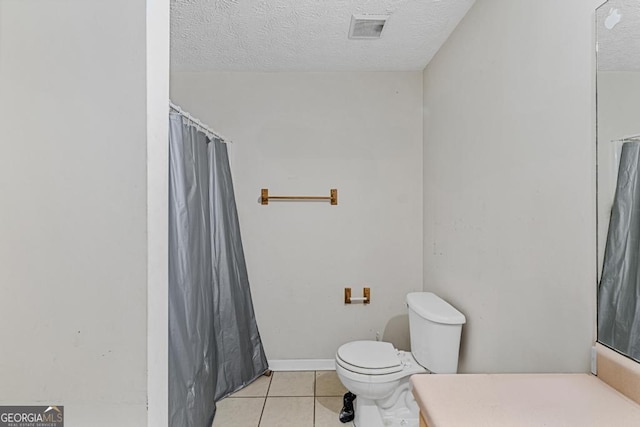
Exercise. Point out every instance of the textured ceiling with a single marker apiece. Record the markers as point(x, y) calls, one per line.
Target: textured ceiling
point(307, 35)
point(619, 47)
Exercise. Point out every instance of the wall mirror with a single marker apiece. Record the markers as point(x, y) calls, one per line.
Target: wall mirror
point(618, 183)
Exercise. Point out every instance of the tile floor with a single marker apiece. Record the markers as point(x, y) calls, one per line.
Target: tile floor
point(286, 399)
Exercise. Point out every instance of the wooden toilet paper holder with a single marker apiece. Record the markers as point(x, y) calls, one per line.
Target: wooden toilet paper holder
point(365, 298)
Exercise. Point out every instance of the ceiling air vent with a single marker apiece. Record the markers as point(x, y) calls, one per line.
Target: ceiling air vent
point(367, 26)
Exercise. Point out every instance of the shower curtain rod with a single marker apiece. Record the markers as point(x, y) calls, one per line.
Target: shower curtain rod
point(197, 123)
point(628, 138)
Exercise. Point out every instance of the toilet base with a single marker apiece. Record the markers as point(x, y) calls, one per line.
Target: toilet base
point(399, 410)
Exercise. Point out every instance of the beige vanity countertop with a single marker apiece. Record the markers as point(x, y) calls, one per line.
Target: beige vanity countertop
point(514, 400)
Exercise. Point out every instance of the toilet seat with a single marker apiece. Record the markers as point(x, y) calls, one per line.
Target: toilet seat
point(369, 358)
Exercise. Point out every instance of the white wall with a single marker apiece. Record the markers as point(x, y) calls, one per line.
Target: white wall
point(509, 184)
point(618, 116)
point(73, 242)
point(157, 27)
point(303, 134)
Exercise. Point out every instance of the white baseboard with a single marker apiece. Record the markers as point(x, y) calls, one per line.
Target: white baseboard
point(302, 365)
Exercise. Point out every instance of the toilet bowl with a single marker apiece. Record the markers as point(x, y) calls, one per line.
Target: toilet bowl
point(378, 374)
point(380, 380)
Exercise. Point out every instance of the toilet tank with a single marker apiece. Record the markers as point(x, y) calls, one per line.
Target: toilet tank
point(435, 328)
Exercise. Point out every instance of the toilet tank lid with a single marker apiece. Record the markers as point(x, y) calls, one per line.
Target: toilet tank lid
point(432, 307)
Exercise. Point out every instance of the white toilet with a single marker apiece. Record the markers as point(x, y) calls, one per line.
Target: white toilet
point(378, 374)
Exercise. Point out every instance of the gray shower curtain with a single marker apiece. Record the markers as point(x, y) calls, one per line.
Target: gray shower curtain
point(619, 293)
point(214, 344)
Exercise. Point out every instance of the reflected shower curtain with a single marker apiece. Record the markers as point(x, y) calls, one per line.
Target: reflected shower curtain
point(214, 344)
point(619, 293)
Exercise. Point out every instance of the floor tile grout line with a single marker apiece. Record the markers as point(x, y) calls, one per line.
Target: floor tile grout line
point(241, 398)
point(291, 397)
point(264, 404)
point(315, 384)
